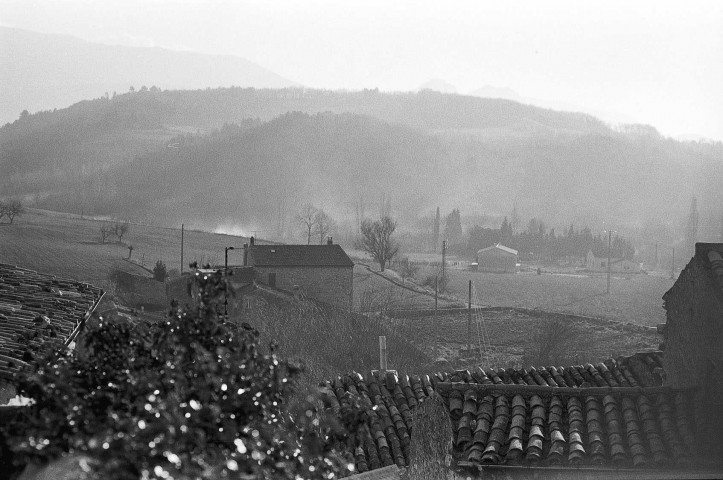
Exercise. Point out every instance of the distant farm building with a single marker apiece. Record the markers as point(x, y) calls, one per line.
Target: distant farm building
point(497, 258)
point(617, 265)
point(321, 272)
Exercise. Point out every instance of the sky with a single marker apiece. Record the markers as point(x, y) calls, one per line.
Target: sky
point(655, 62)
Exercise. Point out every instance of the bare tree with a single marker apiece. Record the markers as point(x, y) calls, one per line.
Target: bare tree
point(558, 342)
point(307, 218)
point(324, 225)
point(120, 229)
point(106, 230)
point(377, 240)
point(11, 209)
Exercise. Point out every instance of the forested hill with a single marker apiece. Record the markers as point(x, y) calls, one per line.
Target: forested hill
point(211, 108)
point(236, 155)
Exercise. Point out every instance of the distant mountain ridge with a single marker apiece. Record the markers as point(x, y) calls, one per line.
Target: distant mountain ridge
point(46, 71)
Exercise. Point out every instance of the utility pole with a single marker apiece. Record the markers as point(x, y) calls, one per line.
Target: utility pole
point(444, 251)
point(181, 249)
point(469, 318)
point(435, 297)
point(610, 234)
point(225, 276)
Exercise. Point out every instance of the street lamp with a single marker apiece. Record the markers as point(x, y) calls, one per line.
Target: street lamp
point(225, 287)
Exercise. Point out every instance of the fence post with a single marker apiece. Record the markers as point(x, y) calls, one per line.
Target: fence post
point(469, 319)
point(383, 353)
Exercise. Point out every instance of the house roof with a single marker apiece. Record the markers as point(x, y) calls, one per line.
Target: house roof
point(36, 308)
point(299, 256)
point(614, 414)
point(498, 247)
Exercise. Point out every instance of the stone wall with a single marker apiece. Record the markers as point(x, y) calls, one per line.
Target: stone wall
point(332, 285)
point(141, 291)
point(694, 346)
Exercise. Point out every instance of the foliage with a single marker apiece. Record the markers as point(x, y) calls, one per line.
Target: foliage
point(333, 340)
point(120, 229)
point(557, 341)
point(435, 232)
point(189, 396)
point(106, 230)
point(453, 228)
point(539, 244)
point(407, 268)
point(11, 209)
point(377, 239)
point(159, 271)
point(395, 148)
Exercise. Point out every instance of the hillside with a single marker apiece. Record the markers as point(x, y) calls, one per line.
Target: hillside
point(226, 156)
point(43, 71)
point(71, 247)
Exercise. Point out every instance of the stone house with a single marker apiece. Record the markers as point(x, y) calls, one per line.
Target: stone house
point(693, 337)
point(321, 272)
point(617, 265)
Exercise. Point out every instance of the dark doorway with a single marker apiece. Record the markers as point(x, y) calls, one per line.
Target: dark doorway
point(272, 280)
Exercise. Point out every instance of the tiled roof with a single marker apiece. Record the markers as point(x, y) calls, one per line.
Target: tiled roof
point(498, 247)
point(614, 414)
point(36, 308)
point(298, 256)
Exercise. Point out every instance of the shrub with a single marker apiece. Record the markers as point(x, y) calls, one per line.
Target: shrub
point(190, 396)
point(159, 271)
point(558, 341)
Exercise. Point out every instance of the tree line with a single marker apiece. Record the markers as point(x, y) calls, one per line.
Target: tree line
point(539, 243)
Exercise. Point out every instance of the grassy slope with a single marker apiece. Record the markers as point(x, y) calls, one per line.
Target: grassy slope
point(70, 247)
point(372, 290)
point(510, 334)
point(637, 299)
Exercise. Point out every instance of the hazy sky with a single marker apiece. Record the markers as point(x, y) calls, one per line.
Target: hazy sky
point(656, 62)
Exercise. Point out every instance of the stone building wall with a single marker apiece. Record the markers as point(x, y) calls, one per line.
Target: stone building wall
point(332, 285)
point(694, 345)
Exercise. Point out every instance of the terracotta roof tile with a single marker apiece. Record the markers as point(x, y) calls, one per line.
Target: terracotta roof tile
point(503, 417)
point(36, 309)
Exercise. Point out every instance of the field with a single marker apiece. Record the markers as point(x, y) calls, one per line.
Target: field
point(635, 298)
point(70, 247)
point(506, 337)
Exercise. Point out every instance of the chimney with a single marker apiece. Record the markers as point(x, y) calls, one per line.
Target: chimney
point(252, 241)
point(329, 241)
point(246, 253)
